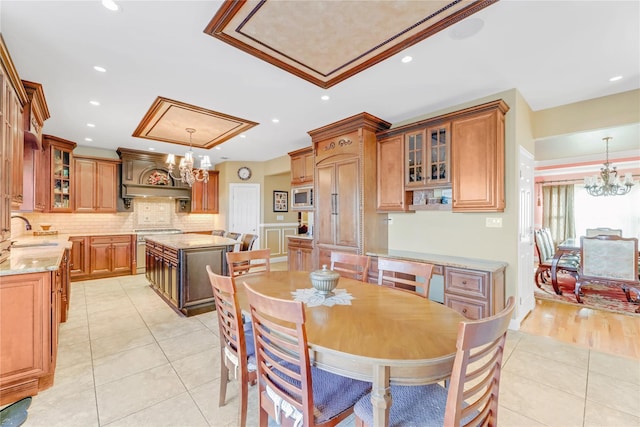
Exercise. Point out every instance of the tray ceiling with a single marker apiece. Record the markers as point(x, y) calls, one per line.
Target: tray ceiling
point(167, 121)
point(326, 42)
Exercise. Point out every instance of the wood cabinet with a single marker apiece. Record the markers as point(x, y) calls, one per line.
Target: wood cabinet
point(300, 254)
point(204, 195)
point(31, 309)
point(79, 257)
point(461, 152)
point(111, 255)
point(95, 185)
point(60, 173)
point(302, 164)
point(474, 294)
point(478, 159)
point(345, 193)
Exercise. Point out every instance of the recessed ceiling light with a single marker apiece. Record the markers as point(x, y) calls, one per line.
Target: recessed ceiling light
point(466, 28)
point(325, 97)
point(96, 103)
point(243, 136)
point(615, 79)
point(99, 68)
point(111, 5)
point(90, 125)
point(218, 148)
point(275, 120)
point(407, 59)
point(152, 149)
point(88, 139)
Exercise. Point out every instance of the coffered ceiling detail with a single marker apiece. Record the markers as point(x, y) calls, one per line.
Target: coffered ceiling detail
point(326, 42)
point(167, 121)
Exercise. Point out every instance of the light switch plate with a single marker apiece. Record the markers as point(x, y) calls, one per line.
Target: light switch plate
point(493, 222)
point(279, 217)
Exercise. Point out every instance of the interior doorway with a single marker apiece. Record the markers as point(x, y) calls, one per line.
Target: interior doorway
point(244, 209)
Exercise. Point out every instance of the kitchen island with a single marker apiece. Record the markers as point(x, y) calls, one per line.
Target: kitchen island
point(175, 268)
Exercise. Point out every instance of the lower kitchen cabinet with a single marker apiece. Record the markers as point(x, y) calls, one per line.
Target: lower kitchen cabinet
point(179, 276)
point(300, 254)
point(31, 309)
point(102, 256)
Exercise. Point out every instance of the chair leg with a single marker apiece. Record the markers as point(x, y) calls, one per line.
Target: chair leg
point(224, 378)
point(577, 291)
point(244, 395)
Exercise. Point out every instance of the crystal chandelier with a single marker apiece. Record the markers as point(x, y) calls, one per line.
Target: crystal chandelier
point(608, 183)
point(187, 173)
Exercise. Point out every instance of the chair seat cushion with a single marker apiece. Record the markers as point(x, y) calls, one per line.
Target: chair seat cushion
point(419, 405)
point(333, 394)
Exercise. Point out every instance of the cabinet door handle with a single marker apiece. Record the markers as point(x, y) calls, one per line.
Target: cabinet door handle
point(464, 311)
point(334, 204)
point(464, 282)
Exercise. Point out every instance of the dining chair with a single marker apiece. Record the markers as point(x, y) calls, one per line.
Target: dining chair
point(546, 249)
point(291, 391)
point(218, 233)
point(243, 262)
point(603, 231)
point(610, 260)
point(472, 394)
point(352, 266)
point(237, 352)
point(404, 275)
point(247, 241)
point(231, 235)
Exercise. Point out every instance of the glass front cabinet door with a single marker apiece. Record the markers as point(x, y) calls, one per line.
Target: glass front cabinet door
point(415, 158)
point(61, 169)
point(438, 159)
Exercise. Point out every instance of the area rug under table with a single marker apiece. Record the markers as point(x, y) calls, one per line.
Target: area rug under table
point(596, 296)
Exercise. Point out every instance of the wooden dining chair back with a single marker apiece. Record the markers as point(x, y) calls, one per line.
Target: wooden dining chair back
point(610, 260)
point(352, 266)
point(603, 231)
point(232, 235)
point(237, 354)
point(218, 233)
point(244, 262)
point(472, 395)
point(247, 241)
point(406, 275)
point(291, 391)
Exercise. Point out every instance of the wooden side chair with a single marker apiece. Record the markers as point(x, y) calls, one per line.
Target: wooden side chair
point(237, 354)
point(232, 235)
point(248, 261)
point(352, 266)
point(218, 233)
point(247, 241)
point(404, 275)
point(472, 395)
point(291, 391)
point(603, 231)
point(610, 260)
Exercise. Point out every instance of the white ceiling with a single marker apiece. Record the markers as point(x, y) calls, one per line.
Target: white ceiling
point(553, 52)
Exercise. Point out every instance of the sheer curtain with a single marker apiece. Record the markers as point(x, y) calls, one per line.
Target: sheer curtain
point(558, 211)
point(621, 212)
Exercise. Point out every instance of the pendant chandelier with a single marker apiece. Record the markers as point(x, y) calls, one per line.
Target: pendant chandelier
point(608, 183)
point(187, 173)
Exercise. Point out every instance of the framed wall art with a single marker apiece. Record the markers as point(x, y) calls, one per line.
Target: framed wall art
point(280, 201)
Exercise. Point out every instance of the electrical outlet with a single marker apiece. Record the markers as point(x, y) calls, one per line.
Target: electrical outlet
point(493, 222)
point(279, 217)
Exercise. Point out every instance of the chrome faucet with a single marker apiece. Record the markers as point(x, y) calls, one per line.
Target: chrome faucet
point(28, 226)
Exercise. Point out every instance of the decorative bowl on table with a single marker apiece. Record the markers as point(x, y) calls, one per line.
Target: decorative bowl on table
point(324, 281)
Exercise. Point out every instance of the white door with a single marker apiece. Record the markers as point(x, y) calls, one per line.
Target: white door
point(244, 209)
point(526, 301)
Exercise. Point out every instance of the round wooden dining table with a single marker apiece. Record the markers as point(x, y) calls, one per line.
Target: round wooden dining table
point(384, 336)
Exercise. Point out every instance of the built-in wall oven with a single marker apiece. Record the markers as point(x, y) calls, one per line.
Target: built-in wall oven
point(141, 235)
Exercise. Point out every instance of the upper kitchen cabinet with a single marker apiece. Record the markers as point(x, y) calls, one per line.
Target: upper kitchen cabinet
point(302, 166)
point(95, 185)
point(391, 176)
point(204, 195)
point(478, 158)
point(345, 181)
point(35, 182)
point(59, 156)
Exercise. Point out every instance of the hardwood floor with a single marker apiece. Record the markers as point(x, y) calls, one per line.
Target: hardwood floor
point(600, 330)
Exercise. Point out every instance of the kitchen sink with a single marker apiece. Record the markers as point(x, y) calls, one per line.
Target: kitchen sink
point(33, 244)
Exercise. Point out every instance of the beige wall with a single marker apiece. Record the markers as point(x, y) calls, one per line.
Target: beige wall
point(280, 182)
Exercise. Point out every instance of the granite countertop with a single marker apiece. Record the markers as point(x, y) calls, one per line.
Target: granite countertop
point(301, 236)
point(445, 260)
point(35, 254)
point(191, 241)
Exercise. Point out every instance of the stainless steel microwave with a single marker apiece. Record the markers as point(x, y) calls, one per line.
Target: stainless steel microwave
point(302, 198)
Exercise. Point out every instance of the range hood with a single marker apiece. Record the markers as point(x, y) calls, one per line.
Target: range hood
point(144, 174)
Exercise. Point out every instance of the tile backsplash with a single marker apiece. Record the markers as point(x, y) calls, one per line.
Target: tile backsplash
point(147, 213)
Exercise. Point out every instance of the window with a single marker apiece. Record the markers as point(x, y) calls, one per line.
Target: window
point(621, 212)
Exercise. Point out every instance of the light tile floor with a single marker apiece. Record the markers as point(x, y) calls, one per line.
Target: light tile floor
point(126, 359)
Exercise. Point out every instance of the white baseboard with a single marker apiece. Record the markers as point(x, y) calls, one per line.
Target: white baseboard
point(278, 259)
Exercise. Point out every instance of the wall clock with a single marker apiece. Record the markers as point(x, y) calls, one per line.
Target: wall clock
point(244, 173)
